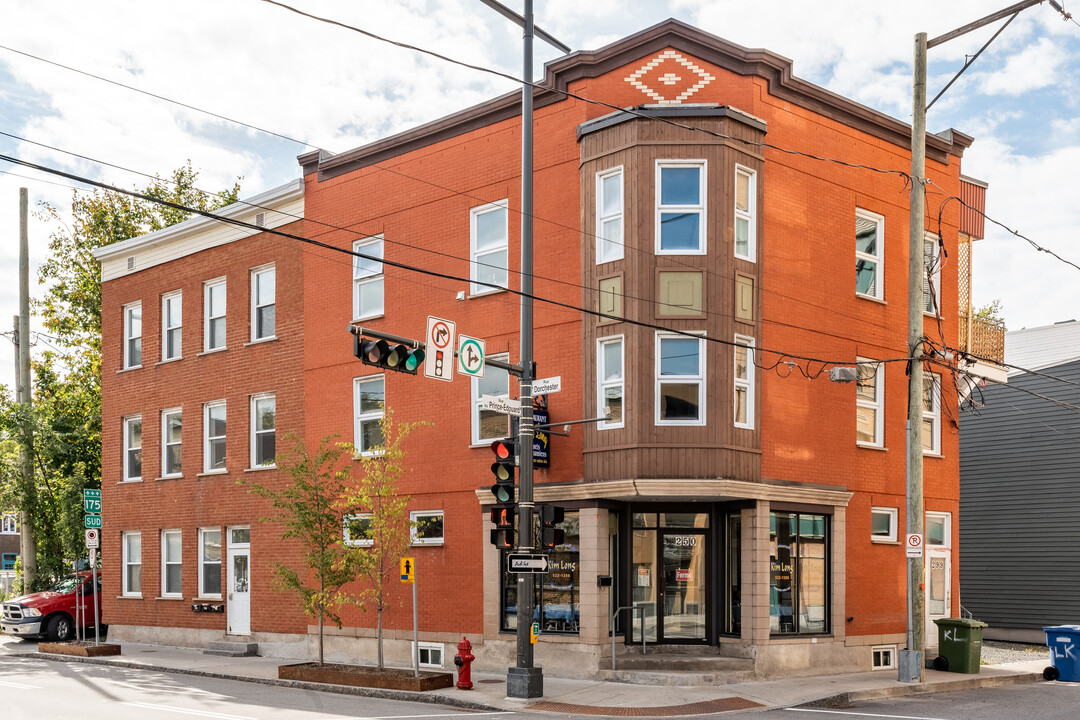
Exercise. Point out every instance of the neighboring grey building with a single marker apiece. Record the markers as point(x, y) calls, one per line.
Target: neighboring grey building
point(1020, 490)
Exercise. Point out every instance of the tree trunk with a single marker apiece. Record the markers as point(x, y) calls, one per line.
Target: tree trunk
point(378, 635)
point(320, 637)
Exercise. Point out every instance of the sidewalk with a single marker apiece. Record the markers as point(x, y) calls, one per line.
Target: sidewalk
point(581, 697)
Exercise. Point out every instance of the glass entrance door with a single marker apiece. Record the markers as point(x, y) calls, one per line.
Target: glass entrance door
point(683, 601)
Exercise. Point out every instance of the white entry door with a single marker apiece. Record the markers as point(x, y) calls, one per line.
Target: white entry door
point(239, 591)
point(938, 567)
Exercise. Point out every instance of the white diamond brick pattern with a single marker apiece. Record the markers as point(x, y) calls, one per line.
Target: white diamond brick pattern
point(704, 78)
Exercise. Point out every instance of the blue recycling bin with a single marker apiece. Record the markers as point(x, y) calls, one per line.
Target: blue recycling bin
point(1064, 642)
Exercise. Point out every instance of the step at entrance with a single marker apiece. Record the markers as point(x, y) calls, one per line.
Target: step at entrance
point(679, 668)
point(232, 649)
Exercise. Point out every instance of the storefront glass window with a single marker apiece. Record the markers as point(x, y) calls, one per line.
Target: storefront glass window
point(798, 573)
point(557, 603)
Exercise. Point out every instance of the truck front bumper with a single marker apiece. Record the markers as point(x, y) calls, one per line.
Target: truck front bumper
point(21, 627)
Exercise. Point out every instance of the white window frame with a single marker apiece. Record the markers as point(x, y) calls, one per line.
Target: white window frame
point(894, 518)
point(877, 405)
point(359, 418)
point(476, 256)
point(660, 380)
point(749, 215)
point(165, 563)
point(256, 432)
point(414, 517)
point(167, 301)
point(878, 258)
point(129, 448)
point(165, 444)
point(203, 562)
point(609, 249)
point(208, 438)
point(128, 562)
point(258, 275)
point(220, 313)
point(9, 524)
point(475, 402)
point(429, 647)
point(369, 276)
point(602, 385)
point(699, 208)
point(878, 655)
point(748, 383)
point(931, 281)
point(132, 333)
point(351, 541)
point(933, 414)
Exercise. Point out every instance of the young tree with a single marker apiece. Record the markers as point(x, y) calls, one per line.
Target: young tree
point(308, 508)
point(991, 312)
point(375, 498)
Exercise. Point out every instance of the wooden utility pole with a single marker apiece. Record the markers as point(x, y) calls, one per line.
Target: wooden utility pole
point(27, 543)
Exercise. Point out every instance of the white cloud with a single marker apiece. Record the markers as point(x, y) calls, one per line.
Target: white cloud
point(1036, 66)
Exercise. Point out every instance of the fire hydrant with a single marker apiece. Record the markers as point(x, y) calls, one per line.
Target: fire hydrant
point(463, 660)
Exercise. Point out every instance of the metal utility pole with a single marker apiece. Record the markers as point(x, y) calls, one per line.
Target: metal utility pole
point(911, 660)
point(27, 545)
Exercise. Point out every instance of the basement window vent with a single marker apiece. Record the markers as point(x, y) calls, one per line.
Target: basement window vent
point(884, 657)
point(131, 263)
point(431, 655)
point(260, 220)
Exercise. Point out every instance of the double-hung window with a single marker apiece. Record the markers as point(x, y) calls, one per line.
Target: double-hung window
point(745, 214)
point(210, 562)
point(610, 384)
point(609, 215)
point(171, 322)
point(9, 524)
point(263, 305)
point(214, 315)
point(427, 527)
point(931, 414)
point(486, 424)
point(369, 402)
point(170, 564)
point(263, 430)
point(133, 335)
point(356, 530)
point(132, 564)
point(133, 448)
point(744, 382)
point(869, 401)
point(368, 278)
point(931, 282)
point(171, 436)
point(680, 380)
point(680, 207)
point(869, 241)
point(214, 437)
point(489, 247)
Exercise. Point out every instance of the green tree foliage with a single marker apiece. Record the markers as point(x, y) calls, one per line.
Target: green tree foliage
point(388, 529)
point(65, 418)
point(991, 312)
point(308, 508)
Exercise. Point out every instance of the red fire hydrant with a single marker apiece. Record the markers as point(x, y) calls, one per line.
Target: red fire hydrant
point(463, 660)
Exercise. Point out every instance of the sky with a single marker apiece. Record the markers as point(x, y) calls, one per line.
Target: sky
point(258, 63)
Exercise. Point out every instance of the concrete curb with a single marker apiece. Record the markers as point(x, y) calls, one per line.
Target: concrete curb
point(430, 697)
point(972, 683)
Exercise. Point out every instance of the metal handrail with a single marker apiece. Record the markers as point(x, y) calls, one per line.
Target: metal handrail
point(614, 615)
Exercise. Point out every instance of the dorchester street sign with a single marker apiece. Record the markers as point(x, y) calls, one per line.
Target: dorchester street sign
point(527, 563)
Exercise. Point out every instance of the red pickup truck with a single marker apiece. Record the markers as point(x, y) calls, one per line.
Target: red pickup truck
point(51, 614)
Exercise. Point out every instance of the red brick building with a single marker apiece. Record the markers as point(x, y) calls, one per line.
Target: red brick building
point(734, 496)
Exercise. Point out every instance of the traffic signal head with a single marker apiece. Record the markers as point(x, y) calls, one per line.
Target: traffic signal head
point(502, 539)
point(389, 356)
point(502, 517)
point(503, 469)
point(550, 516)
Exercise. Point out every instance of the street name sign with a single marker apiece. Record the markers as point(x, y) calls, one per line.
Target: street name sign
point(546, 386)
point(503, 405)
point(471, 356)
point(525, 564)
point(439, 360)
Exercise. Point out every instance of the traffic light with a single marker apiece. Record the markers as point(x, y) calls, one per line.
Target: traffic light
point(503, 470)
point(502, 517)
point(550, 536)
point(389, 356)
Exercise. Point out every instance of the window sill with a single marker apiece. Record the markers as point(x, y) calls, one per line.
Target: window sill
point(427, 543)
point(170, 597)
point(129, 369)
point(484, 293)
point(745, 258)
point(211, 352)
point(365, 318)
point(358, 456)
point(877, 541)
point(932, 455)
point(660, 423)
point(169, 477)
point(169, 360)
point(212, 473)
point(133, 481)
point(207, 598)
point(867, 446)
point(871, 298)
point(737, 426)
point(257, 468)
point(260, 341)
point(132, 596)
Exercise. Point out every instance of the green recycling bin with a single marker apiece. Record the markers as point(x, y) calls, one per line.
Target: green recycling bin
point(959, 645)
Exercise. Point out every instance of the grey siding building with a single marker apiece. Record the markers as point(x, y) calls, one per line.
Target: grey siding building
point(1020, 503)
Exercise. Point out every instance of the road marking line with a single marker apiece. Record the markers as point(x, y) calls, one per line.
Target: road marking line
point(189, 692)
point(19, 685)
point(859, 714)
point(202, 713)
